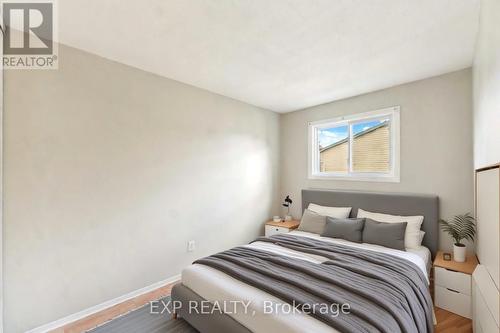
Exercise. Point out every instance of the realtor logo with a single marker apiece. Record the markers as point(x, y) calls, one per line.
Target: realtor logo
point(29, 35)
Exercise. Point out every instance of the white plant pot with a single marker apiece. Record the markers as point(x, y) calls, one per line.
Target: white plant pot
point(459, 253)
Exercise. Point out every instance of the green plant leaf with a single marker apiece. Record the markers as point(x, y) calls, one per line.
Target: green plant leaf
point(460, 227)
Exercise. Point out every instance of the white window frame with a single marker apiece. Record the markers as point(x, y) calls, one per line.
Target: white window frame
point(313, 151)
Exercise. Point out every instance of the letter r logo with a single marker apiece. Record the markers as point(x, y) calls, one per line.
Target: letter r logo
point(28, 27)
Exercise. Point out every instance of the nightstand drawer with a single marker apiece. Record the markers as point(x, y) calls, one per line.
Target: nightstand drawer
point(273, 230)
point(453, 301)
point(456, 281)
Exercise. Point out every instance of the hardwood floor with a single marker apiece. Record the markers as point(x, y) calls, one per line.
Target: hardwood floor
point(104, 316)
point(447, 322)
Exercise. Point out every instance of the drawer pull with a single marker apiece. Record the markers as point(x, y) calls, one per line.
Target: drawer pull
point(453, 290)
point(277, 229)
point(450, 270)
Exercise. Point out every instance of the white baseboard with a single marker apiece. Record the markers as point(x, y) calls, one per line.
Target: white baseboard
point(94, 309)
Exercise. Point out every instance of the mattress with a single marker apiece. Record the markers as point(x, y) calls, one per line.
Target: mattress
point(216, 286)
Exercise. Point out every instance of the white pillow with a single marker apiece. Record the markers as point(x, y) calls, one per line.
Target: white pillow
point(422, 234)
point(412, 233)
point(335, 212)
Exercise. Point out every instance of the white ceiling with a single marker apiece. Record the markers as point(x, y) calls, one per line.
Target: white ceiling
point(281, 55)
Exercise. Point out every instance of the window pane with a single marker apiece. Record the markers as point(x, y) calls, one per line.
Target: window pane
point(371, 146)
point(333, 149)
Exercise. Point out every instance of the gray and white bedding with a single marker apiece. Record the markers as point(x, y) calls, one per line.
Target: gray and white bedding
point(405, 304)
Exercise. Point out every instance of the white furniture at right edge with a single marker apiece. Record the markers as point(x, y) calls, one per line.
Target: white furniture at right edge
point(485, 279)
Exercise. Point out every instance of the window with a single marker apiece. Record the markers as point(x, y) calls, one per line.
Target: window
point(359, 147)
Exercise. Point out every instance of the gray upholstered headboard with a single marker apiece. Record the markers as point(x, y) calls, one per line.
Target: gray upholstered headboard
point(389, 203)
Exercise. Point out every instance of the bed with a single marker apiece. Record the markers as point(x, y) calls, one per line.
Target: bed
point(206, 282)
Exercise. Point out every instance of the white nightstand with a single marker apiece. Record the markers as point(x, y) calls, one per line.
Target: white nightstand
point(273, 228)
point(453, 284)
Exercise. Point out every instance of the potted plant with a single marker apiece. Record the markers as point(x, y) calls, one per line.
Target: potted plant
point(287, 203)
point(459, 228)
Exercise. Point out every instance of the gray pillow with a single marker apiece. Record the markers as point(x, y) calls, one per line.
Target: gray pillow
point(312, 222)
point(386, 234)
point(348, 229)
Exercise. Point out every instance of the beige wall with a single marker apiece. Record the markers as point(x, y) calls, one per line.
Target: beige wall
point(436, 142)
point(371, 151)
point(487, 86)
point(334, 159)
point(110, 170)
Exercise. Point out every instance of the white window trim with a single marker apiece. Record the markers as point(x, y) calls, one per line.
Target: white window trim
point(313, 149)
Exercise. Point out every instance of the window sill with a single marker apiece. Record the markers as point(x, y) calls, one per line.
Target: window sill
point(380, 179)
